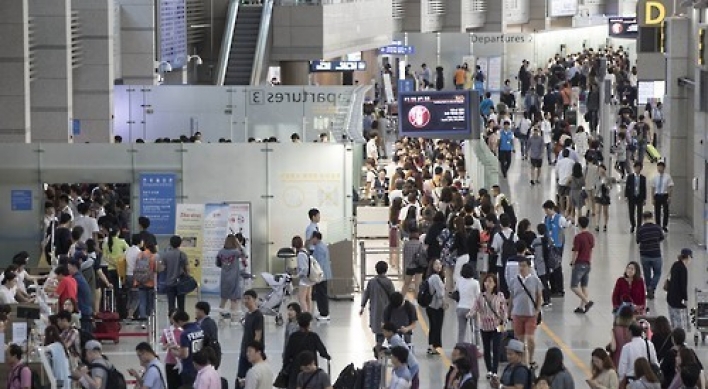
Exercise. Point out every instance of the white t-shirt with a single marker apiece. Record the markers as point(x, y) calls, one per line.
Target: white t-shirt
point(469, 292)
point(260, 376)
point(7, 296)
point(546, 131)
point(372, 150)
point(131, 256)
point(89, 224)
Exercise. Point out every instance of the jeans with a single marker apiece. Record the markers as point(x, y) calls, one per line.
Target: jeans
point(679, 318)
point(652, 272)
point(133, 297)
point(462, 325)
point(86, 324)
point(172, 296)
point(435, 317)
point(146, 302)
point(319, 292)
point(641, 150)
point(491, 341)
point(523, 143)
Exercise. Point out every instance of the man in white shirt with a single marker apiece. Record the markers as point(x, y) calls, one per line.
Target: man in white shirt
point(661, 187)
point(497, 197)
point(564, 168)
point(637, 348)
point(64, 206)
point(89, 224)
point(260, 375)
point(412, 202)
point(524, 127)
point(131, 257)
point(372, 147)
point(547, 132)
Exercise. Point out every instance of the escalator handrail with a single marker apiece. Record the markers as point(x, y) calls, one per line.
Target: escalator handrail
point(259, 56)
point(226, 42)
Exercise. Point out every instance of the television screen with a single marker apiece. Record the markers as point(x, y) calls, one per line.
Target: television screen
point(432, 114)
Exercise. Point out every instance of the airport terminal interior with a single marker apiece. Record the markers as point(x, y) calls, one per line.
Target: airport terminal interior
point(322, 153)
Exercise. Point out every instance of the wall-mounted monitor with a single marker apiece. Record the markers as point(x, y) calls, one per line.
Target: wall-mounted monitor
point(438, 114)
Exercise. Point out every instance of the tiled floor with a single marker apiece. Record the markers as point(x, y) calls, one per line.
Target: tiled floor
point(349, 340)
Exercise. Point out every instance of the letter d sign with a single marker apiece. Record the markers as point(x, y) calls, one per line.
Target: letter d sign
point(654, 12)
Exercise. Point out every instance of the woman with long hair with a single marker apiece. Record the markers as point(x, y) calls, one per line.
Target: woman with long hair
point(644, 377)
point(604, 375)
point(629, 289)
point(490, 307)
point(602, 201)
point(469, 291)
point(291, 325)
point(661, 337)
point(394, 233)
point(58, 357)
point(72, 306)
point(620, 334)
point(410, 222)
point(576, 183)
point(229, 260)
point(144, 279)
point(113, 249)
point(304, 290)
point(555, 370)
point(436, 309)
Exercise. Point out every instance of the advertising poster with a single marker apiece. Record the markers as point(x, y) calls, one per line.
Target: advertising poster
point(435, 114)
point(240, 222)
point(189, 225)
point(623, 27)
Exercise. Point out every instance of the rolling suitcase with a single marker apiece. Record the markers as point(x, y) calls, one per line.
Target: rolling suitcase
point(653, 154)
point(108, 321)
point(371, 374)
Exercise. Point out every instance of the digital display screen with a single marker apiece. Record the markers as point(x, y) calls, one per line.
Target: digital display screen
point(337, 66)
point(446, 114)
point(650, 91)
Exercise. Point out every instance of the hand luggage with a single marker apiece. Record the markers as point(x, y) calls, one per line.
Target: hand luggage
point(371, 375)
point(472, 355)
point(348, 378)
point(108, 321)
point(653, 154)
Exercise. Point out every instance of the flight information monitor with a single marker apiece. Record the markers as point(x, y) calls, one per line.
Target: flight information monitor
point(432, 114)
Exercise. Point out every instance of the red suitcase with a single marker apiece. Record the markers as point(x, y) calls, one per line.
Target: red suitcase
point(108, 320)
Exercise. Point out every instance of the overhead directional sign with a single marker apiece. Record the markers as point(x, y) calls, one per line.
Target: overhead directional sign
point(397, 50)
point(337, 66)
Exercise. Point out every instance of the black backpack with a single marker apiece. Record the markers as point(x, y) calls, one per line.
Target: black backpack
point(115, 377)
point(508, 248)
point(425, 296)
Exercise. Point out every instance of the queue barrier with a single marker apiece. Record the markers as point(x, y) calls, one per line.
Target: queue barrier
point(370, 254)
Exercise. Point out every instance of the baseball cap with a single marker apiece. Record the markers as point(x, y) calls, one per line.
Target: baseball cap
point(515, 345)
point(686, 253)
point(93, 345)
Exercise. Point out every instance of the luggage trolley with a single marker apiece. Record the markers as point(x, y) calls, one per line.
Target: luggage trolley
point(701, 316)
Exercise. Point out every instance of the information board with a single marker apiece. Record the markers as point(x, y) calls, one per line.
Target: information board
point(444, 114)
point(558, 8)
point(650, 91)
point(172, 29)
point(21, 200)
point(157, 201)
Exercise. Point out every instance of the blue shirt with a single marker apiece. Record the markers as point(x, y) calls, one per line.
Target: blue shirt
point(506, 140)
point(485, 106)
point(153, 375)
point(555, 230)
point(412, 362)
point(192, 338)
point(83, 295)
point(321, 254)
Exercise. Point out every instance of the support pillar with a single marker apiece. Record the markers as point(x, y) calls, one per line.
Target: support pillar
point(294, 73)
point(52, 95)
point(93, 80)
point(137, 42)
point(14, 72)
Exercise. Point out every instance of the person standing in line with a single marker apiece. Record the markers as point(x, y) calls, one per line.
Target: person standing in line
point(152, 378)
point(468, 289)
point(506, 147)
point(535, 146)
point(207, 377)
point(84, 295)
point(555, 225)
point(401, 377)
point(394, 340)
point(58, 356)
point(253, 330)
point(304, 293)
point(260, 376)
point(649, 238)
point(583, 243)
point(637, 348)
point(191, 341)
point(635, 191)
point(525, 306)
point(210, 328)
point(677, 290)
point(131, 256)
point(174, 263)
point(377, 293)
point(169, 339)
point(437, 307)
point(661, 187)
point(320, 289)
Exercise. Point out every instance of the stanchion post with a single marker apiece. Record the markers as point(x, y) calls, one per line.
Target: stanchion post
point(362, 265)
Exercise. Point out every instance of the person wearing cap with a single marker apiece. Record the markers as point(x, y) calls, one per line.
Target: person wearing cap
point(676, 287)
point(661, 187)
point(152, 378)
point(506, 147)
point(84, 296)
point(95, 375)
point(260, 375)
point(515, 375)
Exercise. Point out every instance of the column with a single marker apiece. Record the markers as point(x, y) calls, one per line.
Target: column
point(93, 80)
point(677, 135)
point(14, 72)
point(137, 41)
point(495, 16)
point(294, 73)
point(52, 96)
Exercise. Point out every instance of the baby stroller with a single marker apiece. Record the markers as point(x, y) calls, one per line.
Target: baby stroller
point(281, 288)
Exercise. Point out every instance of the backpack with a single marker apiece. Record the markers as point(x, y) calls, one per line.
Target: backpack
point(314, 270)
point(142, 274)
point(425, 296)
point(115, 377)
point(508, 248)
point(34, 378)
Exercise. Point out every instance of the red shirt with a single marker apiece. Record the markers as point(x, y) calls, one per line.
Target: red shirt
point(583, 244)
point(66, 290)
point(624, 292)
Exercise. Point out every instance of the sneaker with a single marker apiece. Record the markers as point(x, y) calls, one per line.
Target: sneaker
point(495, 376)
point(533, 183)
point(489, 375)
point(589, 305)
point(631, 230)
point(225, 315)
point(597, 229)
point(665, 229)
point(579, 310)
point(323, 318)
point(547, 304)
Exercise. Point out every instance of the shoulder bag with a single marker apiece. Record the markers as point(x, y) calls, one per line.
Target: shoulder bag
point(500, 327)
point(539, 318)
point(654, 367)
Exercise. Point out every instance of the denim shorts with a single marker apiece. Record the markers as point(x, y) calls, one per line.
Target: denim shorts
point(580, 275)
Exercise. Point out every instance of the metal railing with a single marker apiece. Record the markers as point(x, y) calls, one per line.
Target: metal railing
point(225, 51)
point(367, 259)
point(259, 57)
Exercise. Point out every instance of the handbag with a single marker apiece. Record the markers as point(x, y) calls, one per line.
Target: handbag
point(539, 318)
point(186, 284)
point(281, 381)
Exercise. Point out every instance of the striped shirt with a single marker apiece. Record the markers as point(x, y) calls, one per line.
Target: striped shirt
point(490, 317)
point(649, 237)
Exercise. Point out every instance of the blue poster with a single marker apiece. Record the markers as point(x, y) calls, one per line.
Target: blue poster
point(21, 200)
point(157, 201)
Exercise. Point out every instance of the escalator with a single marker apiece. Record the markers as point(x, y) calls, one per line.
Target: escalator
point(244, 44)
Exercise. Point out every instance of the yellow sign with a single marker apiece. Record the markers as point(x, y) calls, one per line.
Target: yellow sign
point(654, 12)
